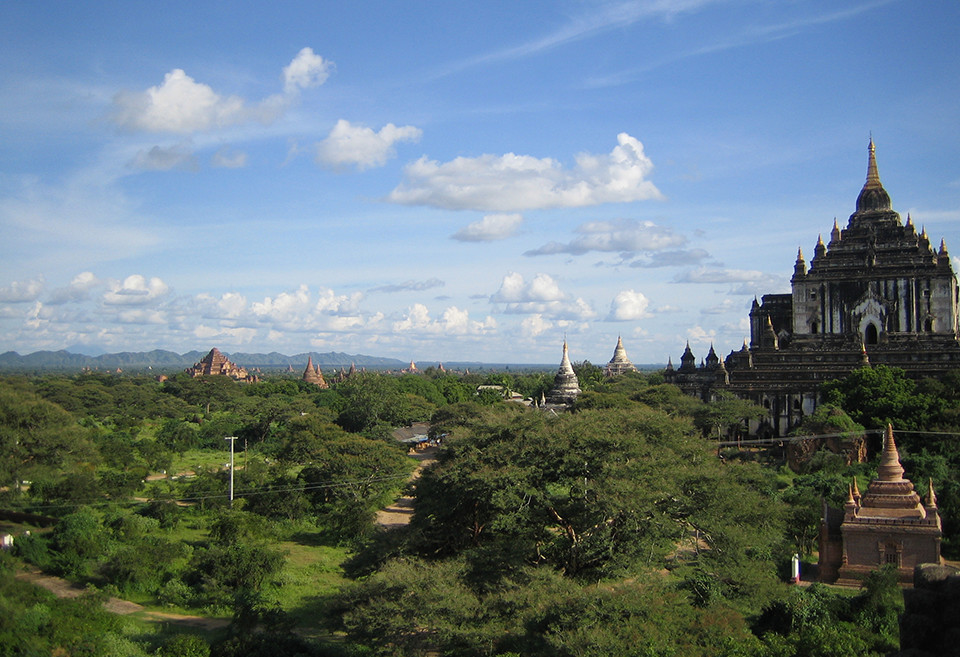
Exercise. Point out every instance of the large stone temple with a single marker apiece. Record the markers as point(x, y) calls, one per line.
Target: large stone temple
point(216, 364)
point(877, 293)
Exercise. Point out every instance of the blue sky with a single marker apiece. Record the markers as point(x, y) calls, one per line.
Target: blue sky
point(438, 181)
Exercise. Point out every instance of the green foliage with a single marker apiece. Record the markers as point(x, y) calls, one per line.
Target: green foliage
point(350, 478)
point(817, 622)
point(185, 645)
point(593, 494)
point(413, 608)
point(37, 436)
point(877, 396)
point(33, 622)
point(80, 541)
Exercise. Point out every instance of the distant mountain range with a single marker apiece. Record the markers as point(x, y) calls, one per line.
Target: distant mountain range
point(162, 360)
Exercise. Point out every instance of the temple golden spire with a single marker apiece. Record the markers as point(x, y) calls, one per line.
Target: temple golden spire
point(873, 175)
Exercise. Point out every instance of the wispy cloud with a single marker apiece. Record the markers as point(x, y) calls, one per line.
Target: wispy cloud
point(750, 35)
point(410, 286)
point(491, 228)
point(621, 236)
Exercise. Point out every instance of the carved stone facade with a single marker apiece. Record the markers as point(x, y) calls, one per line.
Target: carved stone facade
point(216, 364)
point(888, 525)
point(876, 293)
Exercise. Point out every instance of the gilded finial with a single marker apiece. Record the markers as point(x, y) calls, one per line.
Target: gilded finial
point(931, 496)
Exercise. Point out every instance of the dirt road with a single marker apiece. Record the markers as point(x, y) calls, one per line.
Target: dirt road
point(398, 514)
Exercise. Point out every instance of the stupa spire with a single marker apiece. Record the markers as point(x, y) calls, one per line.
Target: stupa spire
point(873, 196)
point(890, 468)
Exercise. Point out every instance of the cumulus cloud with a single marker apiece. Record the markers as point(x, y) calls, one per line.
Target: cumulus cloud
point(181, 105)
point(453, 321)
point(623, 236)
point(229, 159)
point(511, 182)
point(359, 146)
point(411, 286)
point(135, 290)
point(489, 229)
point(514, 289)
point(542, 295)
point(286, 306)
point(627, 305)
point(535, 325)
point(307, 69)
point(159, 158)
point(22, 291)
point(78, 290)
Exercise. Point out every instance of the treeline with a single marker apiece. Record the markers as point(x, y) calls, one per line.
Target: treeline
point(614, 527)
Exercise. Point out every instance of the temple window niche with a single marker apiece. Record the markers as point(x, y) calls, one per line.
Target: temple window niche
point(870, 334)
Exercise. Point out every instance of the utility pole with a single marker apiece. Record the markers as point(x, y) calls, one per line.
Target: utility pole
point(231, 439)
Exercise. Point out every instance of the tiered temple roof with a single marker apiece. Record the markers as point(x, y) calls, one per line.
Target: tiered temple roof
point(216, 364)
point(890, 524)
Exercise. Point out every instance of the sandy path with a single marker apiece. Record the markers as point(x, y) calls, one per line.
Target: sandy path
point(398, 514)
point(64, 589)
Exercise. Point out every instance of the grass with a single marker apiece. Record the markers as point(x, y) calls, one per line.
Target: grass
point(311, 575)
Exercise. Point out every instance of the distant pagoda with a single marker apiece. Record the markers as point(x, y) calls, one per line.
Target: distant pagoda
point(565, 388)
point(619, 364)
point(314, 375)
point(216, 364)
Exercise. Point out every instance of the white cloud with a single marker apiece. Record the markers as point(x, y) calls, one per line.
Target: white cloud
point(627, 305)
point(158, 158)
point(671, 258)
point(329, 302)
point(141, 316)
point(135, 290)
point(78, 290)
point(624, 236)
point(542, 295)
point(286, 307)
point(306, 70)
point(453, 321)
point(513, 182)
point(535, 325)
point(514, 289)
point(491, 228)
point(704, 275)
point(411, 286)
point(21, 291)
point(181, 105)
point(359, 146)
point(229, 159)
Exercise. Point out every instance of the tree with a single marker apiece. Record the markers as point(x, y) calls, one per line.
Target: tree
point(877, 396)
point(350, 478)
point(37, 436)
point(590, 493)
